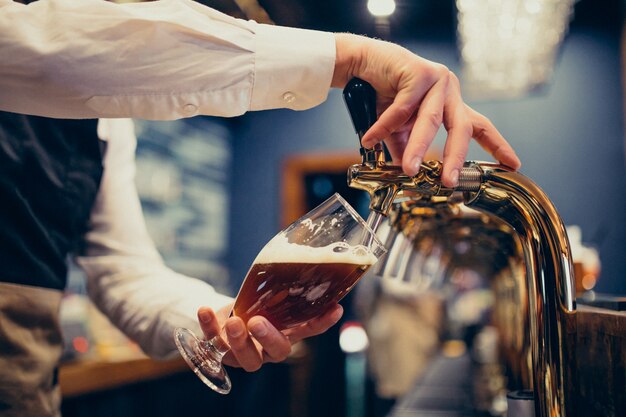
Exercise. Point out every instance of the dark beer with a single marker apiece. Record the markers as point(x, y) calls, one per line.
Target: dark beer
point(288, 294)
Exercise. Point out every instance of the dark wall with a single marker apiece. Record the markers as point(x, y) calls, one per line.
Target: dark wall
point(570, 138)
point(571, 142)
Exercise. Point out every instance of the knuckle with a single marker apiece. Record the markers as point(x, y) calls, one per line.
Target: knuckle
point(440, 72)
point(442, 69)
point(479, 133)
point(487, 124)
point(452, 76)
point(482, 123)
point(405, 112)
point(434, 118)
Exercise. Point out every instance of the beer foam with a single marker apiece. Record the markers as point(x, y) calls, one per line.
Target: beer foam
point(279, 250)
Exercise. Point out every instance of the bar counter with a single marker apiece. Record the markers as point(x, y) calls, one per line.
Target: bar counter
point(92, 375)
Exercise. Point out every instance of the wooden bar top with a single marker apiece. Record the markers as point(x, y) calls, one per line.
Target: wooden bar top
point(92, 375)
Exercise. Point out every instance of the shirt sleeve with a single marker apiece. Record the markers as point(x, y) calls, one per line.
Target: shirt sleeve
point(158, 60)
point(126, 277)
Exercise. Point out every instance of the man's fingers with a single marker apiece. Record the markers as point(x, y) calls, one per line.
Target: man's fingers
point(492, 141)
point(459, 127)
point(242, 347)
point(396, 144)
point(454, 156)
point(429, 119)
point(392, 119)
point(276, 346)
point(208, 322)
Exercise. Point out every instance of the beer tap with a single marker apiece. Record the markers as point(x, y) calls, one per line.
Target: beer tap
point(534, 224)
point(376, 175)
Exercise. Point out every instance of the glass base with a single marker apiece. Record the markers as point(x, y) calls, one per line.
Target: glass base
point(204, 359)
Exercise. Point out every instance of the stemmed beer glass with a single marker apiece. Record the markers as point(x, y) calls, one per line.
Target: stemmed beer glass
point(300, 274)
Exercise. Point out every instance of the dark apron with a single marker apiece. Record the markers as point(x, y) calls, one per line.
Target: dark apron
point(50, 171)
point(31, 347)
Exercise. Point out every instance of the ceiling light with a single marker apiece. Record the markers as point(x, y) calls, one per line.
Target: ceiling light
point(509, 47)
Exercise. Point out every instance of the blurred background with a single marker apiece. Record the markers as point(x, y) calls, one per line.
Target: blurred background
point(549, 75)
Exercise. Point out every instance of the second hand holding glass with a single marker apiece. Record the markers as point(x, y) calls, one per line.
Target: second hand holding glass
point(299, 275)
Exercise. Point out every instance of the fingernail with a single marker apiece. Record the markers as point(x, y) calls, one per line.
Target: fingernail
point(258, 329)
point(205, 317)
point(417, 163)
point(234, 329)
point(454, 176)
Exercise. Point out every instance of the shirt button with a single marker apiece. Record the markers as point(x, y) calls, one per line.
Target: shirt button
point(289, 97)
point(190, 108)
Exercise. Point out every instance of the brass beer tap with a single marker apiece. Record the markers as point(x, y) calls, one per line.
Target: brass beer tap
point(383, 181)
point(508, 198)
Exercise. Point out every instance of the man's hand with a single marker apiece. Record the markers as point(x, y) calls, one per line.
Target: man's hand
point(258, 341)
point(414, 98)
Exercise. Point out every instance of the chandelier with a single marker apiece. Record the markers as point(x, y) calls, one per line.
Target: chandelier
point(508, 48)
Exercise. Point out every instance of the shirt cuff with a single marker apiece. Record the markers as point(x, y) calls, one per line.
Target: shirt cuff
point(293, 67)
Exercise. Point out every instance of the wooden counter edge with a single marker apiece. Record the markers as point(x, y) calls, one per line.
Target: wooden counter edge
point(602, 320)
point(598, 367)
point(83, 377)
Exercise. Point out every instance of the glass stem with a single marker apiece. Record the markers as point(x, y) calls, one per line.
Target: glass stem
point(217, 346)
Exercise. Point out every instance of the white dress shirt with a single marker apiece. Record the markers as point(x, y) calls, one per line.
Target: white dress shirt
point(161, 60)
point(126, 276)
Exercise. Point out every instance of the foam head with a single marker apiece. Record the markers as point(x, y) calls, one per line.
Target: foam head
point(279, 250)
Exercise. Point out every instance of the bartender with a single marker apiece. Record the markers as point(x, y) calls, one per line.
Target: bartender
point(72, 71)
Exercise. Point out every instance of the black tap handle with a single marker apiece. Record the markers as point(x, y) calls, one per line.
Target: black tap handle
point(360, 98)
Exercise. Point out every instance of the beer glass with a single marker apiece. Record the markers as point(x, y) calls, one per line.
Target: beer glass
point(299, 274)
